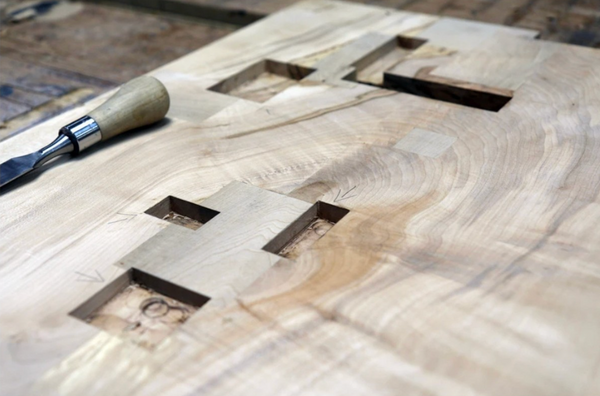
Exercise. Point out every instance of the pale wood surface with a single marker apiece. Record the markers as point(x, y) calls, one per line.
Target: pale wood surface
point(471, 271)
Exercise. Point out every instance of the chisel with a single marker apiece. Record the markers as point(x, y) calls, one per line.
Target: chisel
point(139, 102)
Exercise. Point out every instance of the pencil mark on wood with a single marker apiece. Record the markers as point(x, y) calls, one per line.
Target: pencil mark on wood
point(129, 217)
point(89, 278)
point(344, 196)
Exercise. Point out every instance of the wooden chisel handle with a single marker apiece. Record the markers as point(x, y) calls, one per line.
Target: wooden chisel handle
point(141, 101)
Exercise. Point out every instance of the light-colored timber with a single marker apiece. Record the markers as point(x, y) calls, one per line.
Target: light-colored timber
point(458, 162)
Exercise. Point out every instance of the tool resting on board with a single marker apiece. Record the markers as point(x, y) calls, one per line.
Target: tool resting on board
point(139, 102)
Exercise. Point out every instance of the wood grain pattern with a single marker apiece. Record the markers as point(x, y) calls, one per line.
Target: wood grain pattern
point(427, 143)
point(471, 272)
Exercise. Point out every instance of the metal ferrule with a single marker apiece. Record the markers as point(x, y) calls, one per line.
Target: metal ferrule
point(83, 133)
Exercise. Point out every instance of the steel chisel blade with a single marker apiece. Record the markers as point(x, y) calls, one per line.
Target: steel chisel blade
point(16, 167)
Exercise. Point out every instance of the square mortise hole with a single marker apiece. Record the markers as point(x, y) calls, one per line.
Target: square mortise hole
point(379, 69)
point(311, 226)
point(183, 213)
point(140, 307)
point(261, 81)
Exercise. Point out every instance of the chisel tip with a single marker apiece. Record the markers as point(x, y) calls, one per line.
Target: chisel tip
point(16, 167)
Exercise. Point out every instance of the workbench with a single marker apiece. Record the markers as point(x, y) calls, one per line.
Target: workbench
point(342, 199)
point(69, 52)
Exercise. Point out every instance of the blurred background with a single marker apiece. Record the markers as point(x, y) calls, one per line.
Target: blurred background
point(56, 54)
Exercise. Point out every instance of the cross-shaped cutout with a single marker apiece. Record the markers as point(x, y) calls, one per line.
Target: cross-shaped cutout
point(370, 60)
point(244, 231)
point(228, 250)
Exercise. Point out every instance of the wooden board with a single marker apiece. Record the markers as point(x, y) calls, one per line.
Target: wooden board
point(459, 182)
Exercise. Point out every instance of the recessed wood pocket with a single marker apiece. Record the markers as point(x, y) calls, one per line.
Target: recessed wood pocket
point(140, 307)
point(262, 80)
point(377, 67)
point(306, 230)
point(183, 213)
point(458, 92)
